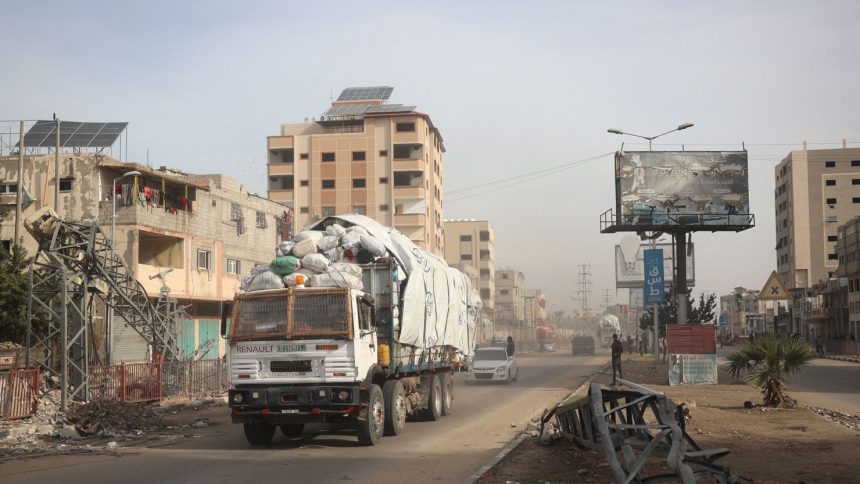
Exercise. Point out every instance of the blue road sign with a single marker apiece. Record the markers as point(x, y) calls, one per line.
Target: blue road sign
point(654, 282)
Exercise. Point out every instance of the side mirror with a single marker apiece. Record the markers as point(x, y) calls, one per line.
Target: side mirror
point(226, 312)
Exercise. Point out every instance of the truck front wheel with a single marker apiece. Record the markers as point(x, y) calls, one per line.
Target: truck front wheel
point(372, 423)
point(259, 433)
point(292, 430)
point(395, 407)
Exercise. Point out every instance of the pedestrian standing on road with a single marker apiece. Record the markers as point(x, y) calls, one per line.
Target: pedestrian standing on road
point(629, 344)
point(617, 350)
point(510, 346)
point(819, 345)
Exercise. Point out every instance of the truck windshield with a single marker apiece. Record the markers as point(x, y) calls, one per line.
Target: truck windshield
point(491, 355)
point(290, 314)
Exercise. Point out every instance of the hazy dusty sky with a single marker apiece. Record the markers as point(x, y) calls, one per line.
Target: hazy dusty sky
point(514, 87)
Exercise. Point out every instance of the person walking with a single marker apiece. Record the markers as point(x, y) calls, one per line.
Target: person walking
point(819, 345)
point(617, 350)
point(629, 344)
point(510, 346)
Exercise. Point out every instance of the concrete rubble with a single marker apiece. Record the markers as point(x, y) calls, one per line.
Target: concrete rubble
point(850, 421)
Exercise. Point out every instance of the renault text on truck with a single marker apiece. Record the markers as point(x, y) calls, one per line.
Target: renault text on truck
point(368, 358)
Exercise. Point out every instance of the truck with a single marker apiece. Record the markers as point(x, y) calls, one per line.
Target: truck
point(545, 339)
point(607, 325)
point(366, 358)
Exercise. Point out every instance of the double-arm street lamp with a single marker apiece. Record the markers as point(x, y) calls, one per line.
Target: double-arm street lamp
point(652, 138)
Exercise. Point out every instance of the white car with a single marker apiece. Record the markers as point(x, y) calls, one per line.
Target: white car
point(493, 364)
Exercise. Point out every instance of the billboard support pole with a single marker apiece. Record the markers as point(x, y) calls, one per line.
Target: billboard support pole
point(656, 317)
point(681, 276)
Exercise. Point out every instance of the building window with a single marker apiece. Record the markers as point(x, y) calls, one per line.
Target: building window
point(504, 292)
point(383, 152)
point(832, 257)
point(831, 238)
point(485, 254)
point(383, 208)
point(281, 182)
point(359, 209)
point(232, 266)
point(855, 162)
point(831, 201)
point(235, 212)
point(66, 184)
point(485, 235)
point(303, 156)
point(328, 156)
point(383, 180)
point(284, 156)
point(204, 260)
point(485, 294)
point(359, 182)
point(303, 183)
point(465, 238)
point(830, 164)
point(855, 200)
point(855, 181)
point(8, 188)
point(830, 183)
point(328, 183)
point(303, 210)
point(359, 156)
point(405, 127)
point(261, 220)
point(485, 274)
point(504, 276)
point(328, 211)
point(465, 256)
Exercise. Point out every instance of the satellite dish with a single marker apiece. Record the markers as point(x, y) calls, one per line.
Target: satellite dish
point(629, 249)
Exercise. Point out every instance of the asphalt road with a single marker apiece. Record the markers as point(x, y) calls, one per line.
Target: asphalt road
point(448, 450)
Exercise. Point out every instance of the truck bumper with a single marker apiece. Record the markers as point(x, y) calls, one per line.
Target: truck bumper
point(281, 404)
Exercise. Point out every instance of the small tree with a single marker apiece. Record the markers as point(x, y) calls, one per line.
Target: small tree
point(13, 293)
point(768, 362)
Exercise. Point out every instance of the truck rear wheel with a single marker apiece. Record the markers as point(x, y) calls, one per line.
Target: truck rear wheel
point(371, 426)
point(447, 392)
point(434, 399)
point(259, 433)
point(395, 407)
point(292, 430)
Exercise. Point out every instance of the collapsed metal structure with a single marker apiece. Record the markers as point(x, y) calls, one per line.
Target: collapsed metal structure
point(75, 273)
point(636, 427)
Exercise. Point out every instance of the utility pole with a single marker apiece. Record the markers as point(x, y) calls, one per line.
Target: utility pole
point(20, 188)
point(583, 284)
point(57, 167)
point(606, 298)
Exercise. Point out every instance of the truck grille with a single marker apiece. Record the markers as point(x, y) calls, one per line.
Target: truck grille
point(297, 366)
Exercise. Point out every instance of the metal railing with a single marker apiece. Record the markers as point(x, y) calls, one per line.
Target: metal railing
point(842, 347)
point(19, 393)
point(128, 382)
point(611, 222)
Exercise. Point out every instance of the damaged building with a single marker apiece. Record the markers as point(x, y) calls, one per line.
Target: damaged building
point(194, 234)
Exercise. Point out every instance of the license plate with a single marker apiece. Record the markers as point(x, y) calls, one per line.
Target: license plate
point(290, 410)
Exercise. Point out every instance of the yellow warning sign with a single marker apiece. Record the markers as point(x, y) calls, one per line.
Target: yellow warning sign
point(774, 289)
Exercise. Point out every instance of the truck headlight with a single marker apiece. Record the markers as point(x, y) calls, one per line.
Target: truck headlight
point(237, 398)
point(343, 395)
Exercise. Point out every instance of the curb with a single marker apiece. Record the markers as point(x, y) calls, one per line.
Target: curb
point(840, 358)
point(513, 444)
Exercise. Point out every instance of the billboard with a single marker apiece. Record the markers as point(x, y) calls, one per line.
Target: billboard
point(631, 273)
point(682, 188)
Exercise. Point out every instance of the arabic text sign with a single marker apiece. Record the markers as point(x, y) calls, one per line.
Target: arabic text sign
point(654, 281)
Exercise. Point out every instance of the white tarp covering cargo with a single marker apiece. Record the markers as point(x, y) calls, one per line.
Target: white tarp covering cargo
point(439, 305)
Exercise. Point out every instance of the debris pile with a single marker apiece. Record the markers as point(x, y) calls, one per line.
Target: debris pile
point(850, 421)
point(318, 258)
point(110, 417)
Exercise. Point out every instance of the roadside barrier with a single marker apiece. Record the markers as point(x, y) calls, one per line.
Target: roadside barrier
point(19, 393)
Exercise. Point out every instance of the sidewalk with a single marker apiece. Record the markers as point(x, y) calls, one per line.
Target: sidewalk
point(767, 445)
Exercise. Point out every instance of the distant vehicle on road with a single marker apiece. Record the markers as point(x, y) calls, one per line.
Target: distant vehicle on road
point(606, 327)
point(546, 339)
point(582, 345)
point(493, 364)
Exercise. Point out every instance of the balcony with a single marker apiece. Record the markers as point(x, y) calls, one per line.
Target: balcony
point(150, 216)
point(275, 169)
point(409, 192)
point(408, 151)
point(279, 142)
point(409, 219)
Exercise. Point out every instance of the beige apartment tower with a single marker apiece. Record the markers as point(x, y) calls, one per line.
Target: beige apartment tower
point(365, 156)
point(816, 191)
point(470, 247)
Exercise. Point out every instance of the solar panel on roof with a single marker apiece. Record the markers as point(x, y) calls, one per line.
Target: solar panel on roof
point(390, 108)
point(73, 134)
point(347, 109)
point(365, 93)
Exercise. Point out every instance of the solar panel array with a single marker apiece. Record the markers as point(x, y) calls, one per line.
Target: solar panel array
point(357, 109)
point(73, 134)
point(390, 108)
point(365, 93)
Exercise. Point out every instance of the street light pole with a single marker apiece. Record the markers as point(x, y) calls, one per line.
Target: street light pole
point(651, 138)
point(109, 322)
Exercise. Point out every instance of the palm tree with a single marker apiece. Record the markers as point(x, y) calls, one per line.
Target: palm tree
point(768, 362)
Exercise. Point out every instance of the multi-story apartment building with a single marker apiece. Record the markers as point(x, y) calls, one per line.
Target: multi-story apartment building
point(206, 230)
point(471, 242)
point(816, 190)
point(848, 249)
point(366, 156)
point(510, 300)
point(535, 307)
